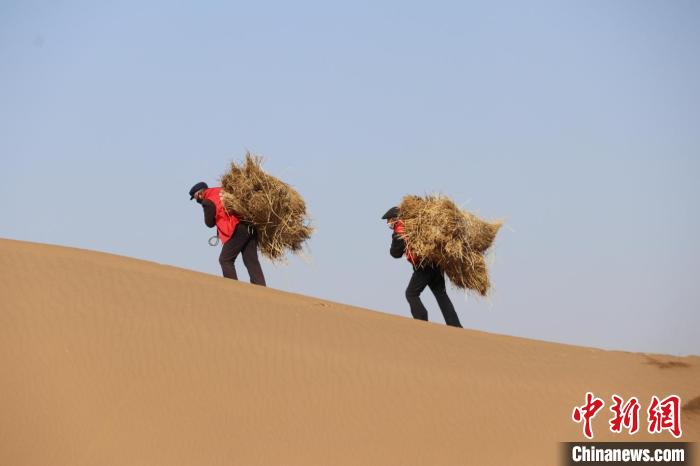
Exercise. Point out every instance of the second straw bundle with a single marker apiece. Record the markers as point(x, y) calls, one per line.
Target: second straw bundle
point(438, 232)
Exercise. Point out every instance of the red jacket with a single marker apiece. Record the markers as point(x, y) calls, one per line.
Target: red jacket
point(225, 222)
point(400, 229)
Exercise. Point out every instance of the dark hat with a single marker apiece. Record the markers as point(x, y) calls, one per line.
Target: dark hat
point(391, 213)
point(197, 187)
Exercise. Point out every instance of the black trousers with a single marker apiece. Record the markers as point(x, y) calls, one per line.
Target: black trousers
point(434, 278)
point(243, 241)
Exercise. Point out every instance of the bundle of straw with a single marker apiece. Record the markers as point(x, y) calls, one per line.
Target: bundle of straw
point(276, 210)
point(438, 232)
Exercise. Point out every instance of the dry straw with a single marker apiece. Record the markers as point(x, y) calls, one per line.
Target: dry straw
point(440, 233)
point(275, 208)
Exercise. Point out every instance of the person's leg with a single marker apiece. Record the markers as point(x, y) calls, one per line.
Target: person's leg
point(250, 260)
point(418, 282)
point(437, 286)
point(230, 251)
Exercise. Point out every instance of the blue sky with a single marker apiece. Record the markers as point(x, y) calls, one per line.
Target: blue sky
point(575, 122)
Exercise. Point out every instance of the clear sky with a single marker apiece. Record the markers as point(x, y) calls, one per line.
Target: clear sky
point(576, 122)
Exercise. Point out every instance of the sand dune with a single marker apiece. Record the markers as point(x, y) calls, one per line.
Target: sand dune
point(108, 360)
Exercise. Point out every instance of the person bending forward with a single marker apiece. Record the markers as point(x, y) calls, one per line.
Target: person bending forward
point(423, 275)
point(236, 237)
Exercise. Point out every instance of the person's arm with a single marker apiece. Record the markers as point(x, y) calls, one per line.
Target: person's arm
point(398, 246)
point(209, 213)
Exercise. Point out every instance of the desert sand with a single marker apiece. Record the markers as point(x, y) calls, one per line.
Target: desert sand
point(108, 360)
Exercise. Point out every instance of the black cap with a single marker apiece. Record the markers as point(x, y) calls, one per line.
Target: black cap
point(197, 187)
point(391, 213)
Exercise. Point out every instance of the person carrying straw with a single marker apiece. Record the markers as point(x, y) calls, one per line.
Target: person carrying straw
point(236, 236)
point(424, 274)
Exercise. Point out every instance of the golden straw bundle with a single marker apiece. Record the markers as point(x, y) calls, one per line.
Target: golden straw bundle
point(440, 233)
point(275, 208)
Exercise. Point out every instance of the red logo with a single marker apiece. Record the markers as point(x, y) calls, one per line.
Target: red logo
point(661, 415)
point(665, 415)
point(587, 412)
point(626, 415)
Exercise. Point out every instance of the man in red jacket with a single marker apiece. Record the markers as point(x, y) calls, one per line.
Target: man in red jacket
point(423, 275)
point(236, 236)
